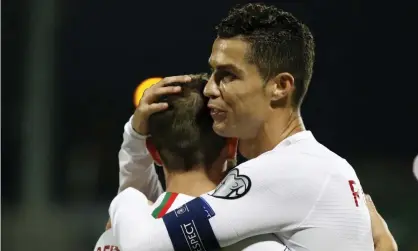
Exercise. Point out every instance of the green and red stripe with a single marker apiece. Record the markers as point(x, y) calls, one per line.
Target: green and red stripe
point(166, 203)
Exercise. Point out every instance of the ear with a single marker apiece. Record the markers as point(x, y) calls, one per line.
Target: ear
point(282, 85)
point(232, 145)
point(153, 151)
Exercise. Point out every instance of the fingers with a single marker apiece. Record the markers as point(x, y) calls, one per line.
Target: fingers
point(174, 79)
point(151, 94)
point(157, 107)
point(147, 105)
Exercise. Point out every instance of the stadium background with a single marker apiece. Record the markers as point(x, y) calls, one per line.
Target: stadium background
point(69, 69)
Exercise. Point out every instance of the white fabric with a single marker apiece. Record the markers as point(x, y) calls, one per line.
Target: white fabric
point(107, 242)
point(300, 191)
point(267, 242)
point(136, 166)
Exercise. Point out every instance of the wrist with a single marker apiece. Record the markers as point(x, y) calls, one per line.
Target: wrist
point(134, 133)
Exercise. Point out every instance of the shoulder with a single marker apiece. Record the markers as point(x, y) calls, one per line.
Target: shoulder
point(306, 169)
point(290, 163)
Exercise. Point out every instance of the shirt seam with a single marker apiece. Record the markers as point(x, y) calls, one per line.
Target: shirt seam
point(316, 201)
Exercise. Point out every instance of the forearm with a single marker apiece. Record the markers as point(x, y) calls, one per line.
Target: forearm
point(386, 243)
point(136, 168)
point(382, 237)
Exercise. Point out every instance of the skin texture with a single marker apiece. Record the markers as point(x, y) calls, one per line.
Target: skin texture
point(237, 89)
point(382, 238)
point(258, 112)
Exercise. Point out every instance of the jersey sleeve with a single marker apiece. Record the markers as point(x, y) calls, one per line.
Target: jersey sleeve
point(265, 195)
point(136, 168)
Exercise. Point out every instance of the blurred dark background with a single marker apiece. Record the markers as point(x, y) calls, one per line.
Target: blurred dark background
point(69, 70)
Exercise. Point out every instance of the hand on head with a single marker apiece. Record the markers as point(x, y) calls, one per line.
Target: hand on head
point(147, 105)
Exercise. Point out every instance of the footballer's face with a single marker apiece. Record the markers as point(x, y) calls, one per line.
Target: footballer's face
point(238, 100)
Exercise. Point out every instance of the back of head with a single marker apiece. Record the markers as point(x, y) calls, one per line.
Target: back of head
point(183, 133)
point(278, 41)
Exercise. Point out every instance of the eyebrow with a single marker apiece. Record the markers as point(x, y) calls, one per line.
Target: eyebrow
point(228, 67)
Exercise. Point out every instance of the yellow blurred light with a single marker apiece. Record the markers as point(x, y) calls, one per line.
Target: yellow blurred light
point(139, 91)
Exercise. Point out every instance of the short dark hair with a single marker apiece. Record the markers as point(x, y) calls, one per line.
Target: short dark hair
point(183, 133)
point(279, 42)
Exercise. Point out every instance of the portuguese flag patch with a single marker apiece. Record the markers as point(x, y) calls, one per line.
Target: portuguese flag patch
point(166, 203)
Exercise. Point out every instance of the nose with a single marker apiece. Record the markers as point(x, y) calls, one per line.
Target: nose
point(211, 89)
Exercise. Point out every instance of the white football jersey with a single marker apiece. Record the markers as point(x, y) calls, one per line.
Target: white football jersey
point(309, 196)
point(300, 190)
point(170, 201)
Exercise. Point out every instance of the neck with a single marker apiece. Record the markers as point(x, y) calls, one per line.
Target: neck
point(194, 182)
point(282, 123)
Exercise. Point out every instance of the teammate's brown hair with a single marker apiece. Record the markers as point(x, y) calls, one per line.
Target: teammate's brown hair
point(183, 133)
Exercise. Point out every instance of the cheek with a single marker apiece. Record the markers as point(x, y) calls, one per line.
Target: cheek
point(246, 103)
point(240, 103)
point(232, 96)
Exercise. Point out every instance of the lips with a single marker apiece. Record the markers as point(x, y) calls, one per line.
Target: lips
point(216, 113)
